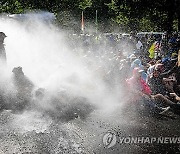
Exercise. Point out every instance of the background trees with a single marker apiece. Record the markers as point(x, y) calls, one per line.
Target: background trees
point(120, 15)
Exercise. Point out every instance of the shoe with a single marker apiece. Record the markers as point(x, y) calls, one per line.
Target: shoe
point(164, 110)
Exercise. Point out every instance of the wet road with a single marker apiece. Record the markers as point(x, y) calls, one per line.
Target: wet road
point(34, 132)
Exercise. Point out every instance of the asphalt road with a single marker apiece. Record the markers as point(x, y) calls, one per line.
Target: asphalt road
point(36, 132)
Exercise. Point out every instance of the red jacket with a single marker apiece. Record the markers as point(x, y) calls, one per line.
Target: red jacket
point(138, 84)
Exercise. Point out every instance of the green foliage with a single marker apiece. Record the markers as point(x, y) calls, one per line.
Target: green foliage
point(11, 6)
point(112, 6)
point(146, 25)
point(83, 4)
point(159, 15)
point(122, 19)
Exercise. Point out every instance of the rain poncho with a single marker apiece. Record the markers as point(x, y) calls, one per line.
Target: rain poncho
point(137, 63)
point(138, 84)
point(152, 51)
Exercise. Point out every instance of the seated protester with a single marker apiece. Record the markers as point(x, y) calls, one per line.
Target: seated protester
point(150, 69)
point(140, 92)
point(21, 82)
point(166, 62)
point(172, 44)
point(155, 81)
point(124, 71)
point(131, 57)
point(176, 70)
point(154, 64)
point(138, 63)
point(170, 65)
point(23, 88)
point(136, 82)
point(173, 69)
point(170, 83)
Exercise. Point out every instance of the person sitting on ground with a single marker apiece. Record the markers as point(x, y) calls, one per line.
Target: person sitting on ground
point(170, 83)
point(139, 91)
point(155, 81)
point(173, 76)
point(138, 63)
point(23, 87)
point(21, 82)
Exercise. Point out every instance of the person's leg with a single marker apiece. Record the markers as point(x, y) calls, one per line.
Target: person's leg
point(151, 106)
point(162, 99)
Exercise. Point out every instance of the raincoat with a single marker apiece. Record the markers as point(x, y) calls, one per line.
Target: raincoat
point(139, 84)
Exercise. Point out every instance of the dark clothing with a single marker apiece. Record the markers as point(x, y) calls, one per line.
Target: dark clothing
point(157, 86)
point(2, 53)
point(175, 107)
point(175, 70)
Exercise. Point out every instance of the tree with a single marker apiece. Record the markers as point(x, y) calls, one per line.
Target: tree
point(159, 15)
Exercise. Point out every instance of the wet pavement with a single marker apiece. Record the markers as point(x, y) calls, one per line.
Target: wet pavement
point(34, 132)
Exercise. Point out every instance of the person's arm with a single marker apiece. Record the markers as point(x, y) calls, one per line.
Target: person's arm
point(167, 73)
point(175, 95)
point(140, 93)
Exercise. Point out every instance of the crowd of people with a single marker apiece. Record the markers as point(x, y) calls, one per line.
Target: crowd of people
point(147, 66)
point(154, 79)
point(149, 75)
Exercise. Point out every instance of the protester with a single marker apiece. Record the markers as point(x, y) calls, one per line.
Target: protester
point(155, 81)
point(151, 75)
point(2, 48)
point(23, 87)
point(140, 93)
